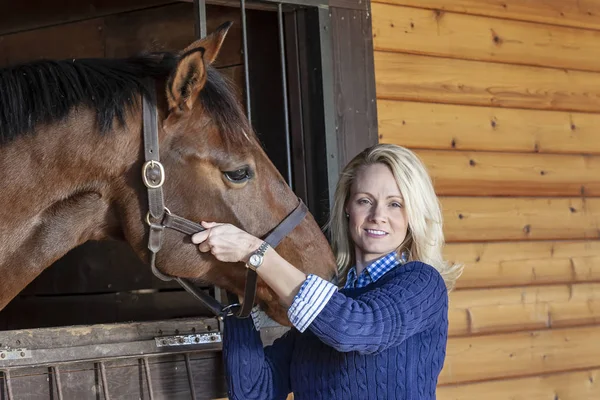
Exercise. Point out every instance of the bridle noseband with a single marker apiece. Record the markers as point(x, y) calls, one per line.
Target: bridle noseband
point(160, 217)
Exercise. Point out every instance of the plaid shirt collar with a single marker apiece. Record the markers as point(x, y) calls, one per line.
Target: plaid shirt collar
point(374, 271)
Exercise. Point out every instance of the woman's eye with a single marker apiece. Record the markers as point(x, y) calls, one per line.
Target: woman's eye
point(396, 204)
point(238, 176)
point(363, 201)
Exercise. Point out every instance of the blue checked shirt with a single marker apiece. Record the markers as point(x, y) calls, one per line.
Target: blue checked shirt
point(315, 292)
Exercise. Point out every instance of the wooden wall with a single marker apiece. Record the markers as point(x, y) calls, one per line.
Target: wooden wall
point(502, 102)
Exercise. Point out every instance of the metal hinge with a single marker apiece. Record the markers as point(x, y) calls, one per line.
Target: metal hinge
point(188, 340)
point(14, 354)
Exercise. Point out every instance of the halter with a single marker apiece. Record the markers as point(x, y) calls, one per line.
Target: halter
point(160, 217)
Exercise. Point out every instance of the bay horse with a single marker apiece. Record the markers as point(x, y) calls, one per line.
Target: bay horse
point(72, 149)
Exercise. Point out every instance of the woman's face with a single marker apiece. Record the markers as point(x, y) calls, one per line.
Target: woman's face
point(377, 218)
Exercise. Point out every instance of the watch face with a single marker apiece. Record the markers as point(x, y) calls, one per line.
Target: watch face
point(254, 259)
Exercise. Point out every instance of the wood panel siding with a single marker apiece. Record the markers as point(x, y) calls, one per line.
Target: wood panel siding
point(501, 101)
point(481, 128)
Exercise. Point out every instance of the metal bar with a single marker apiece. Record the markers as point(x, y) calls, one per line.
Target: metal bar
point(104, 381)
point(286, 111)
point(246, 66)
point(58, 382)
point(190, 375)
point(200, 14)
point(148, 377)
point(8, 385)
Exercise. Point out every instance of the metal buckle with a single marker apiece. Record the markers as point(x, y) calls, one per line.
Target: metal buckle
point(228, 309)
point(150, 223)
point(147, 182)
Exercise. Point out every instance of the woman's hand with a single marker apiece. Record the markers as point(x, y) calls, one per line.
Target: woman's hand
point(226, 242)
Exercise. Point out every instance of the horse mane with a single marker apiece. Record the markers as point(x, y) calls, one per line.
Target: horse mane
point(46, 91)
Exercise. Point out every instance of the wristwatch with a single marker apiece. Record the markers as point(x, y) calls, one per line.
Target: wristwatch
point(256, 258)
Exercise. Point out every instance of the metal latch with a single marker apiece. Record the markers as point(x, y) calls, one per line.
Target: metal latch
point(188, 340)
point(14, 354)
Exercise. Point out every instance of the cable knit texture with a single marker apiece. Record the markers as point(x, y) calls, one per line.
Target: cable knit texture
point(384, 341)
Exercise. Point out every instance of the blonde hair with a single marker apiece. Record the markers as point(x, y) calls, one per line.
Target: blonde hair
point(425, 237)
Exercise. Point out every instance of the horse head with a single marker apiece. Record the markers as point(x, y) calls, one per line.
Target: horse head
point(72, 154)
point(216, 170)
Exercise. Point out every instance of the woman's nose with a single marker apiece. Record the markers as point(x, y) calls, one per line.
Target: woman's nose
point(378, 214)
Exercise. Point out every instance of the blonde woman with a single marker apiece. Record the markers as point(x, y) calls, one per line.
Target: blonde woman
point(380, 335)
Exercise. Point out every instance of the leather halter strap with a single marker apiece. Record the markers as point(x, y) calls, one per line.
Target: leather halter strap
point(159, 217)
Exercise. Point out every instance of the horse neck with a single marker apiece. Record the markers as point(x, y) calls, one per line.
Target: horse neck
point(57, 191)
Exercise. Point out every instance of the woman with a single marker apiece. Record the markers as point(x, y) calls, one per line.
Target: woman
point(383, 334)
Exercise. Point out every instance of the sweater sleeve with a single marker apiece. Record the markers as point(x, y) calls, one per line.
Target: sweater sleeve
point(386, 315)
point(254, 372)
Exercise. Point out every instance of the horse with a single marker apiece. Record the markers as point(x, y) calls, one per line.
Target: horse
point(72, 148)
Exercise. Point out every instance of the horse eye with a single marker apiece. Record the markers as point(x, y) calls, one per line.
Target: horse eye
point(238, 176)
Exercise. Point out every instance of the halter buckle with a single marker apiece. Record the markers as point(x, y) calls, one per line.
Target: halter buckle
point(150, 223)
point(147, 182)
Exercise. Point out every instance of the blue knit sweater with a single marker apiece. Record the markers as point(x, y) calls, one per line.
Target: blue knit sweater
point(383, 341)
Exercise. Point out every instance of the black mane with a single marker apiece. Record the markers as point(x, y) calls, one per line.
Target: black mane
point(45, 92)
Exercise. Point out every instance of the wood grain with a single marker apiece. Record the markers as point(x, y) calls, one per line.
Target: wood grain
point(471, 173)
point(469, 37)
point(579, 385)
point(525, 308)
point(476, 219)
point(575, 13)
point(447, 126)
point(449, 81)
point(511, 355)
point(489, 265)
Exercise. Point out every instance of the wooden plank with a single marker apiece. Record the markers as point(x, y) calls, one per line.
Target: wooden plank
point(18, 16)
point(127, 379)
point(575, 13)
point(511, 355)
point(64, 336)
point(447, 126)
point(54, 43)
point(354, 82)
point(474, 219)
point(430, 32)
point(170, 28)
point(580, 385)
point(524, 308)
point(520, 263)
point(434, 79)
point(468, 173)
point(167, 28)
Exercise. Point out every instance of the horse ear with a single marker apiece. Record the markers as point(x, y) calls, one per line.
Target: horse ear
point(189, 76)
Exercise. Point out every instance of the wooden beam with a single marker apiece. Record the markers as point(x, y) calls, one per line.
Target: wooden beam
point(480, 311)
point(167, 28)
point(449, 127)
point(474, 219)
point(469, 173)
point(442, 80)
point(512, 355)
point(354, 82)
point(489, 265)
point(575, 13)
point(446, 34)
point(579, 385)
